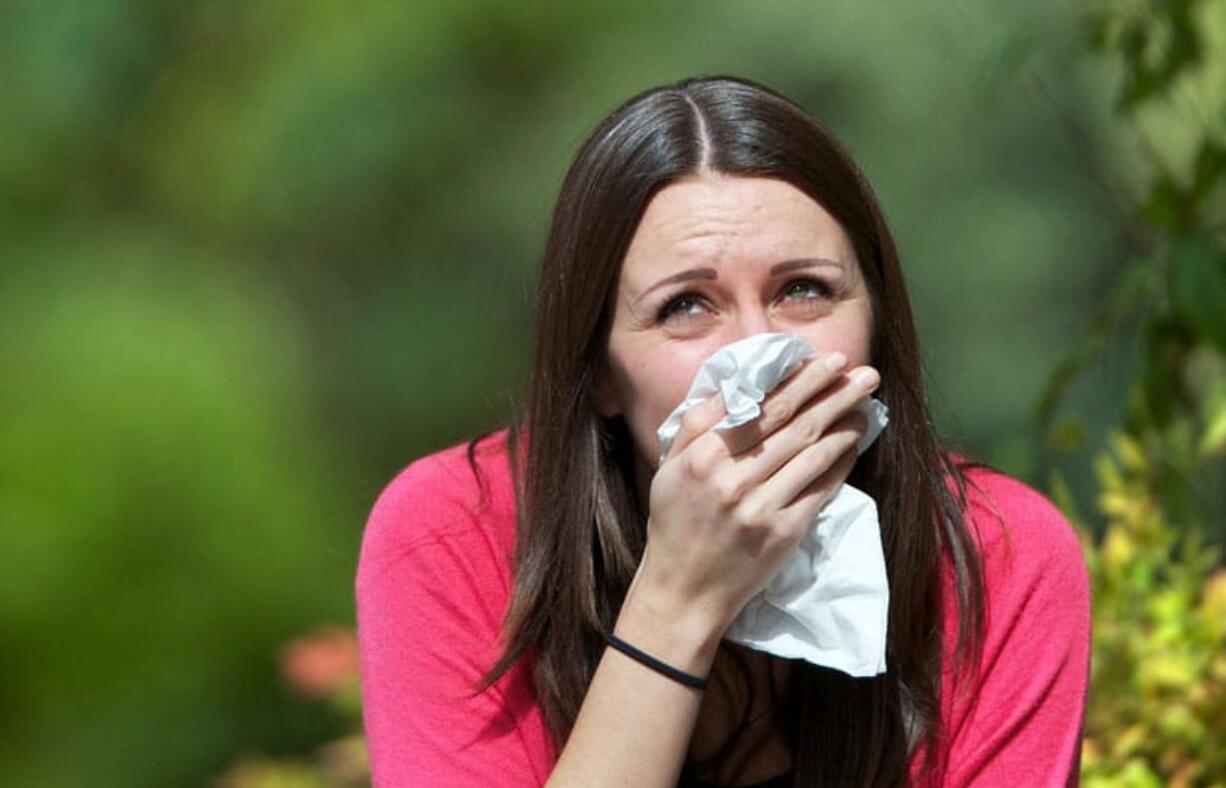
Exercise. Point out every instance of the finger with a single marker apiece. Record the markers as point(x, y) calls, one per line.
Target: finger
point(695, 422)
point(812, 465)
point(787, 400)
point(808, 427)
point(821, 491)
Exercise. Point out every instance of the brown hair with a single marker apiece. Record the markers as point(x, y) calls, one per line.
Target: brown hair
point(580, 530)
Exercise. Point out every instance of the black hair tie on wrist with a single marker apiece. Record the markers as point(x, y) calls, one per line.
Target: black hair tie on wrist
point(662, 668)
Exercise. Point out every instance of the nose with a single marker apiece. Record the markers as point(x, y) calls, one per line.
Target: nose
point(752, 321)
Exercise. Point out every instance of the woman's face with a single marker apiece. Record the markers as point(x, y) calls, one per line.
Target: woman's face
point(716, 259)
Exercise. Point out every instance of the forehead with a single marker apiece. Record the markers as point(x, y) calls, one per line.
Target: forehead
point(720, 220)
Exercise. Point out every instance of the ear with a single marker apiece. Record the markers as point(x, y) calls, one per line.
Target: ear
point(604, 399)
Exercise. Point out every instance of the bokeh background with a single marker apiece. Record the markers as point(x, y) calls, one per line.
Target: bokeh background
point(256, 257)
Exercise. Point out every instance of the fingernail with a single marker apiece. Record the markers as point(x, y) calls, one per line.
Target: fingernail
point(865, 377)
point(835, 361)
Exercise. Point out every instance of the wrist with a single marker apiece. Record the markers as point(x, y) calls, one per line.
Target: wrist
point(684, 636)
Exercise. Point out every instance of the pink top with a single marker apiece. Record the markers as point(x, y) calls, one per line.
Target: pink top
point(434, 580)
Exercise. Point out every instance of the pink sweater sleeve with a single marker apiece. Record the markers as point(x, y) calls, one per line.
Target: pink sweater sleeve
point(432, 587)
point(1022, 723)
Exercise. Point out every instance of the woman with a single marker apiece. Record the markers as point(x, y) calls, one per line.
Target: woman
point(491, 574)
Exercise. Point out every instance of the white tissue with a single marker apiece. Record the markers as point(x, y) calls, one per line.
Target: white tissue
point(829, 604)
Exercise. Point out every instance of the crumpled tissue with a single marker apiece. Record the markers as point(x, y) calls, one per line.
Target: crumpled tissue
point(829, 604)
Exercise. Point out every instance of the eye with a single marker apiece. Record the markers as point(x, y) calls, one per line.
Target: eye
point(806, 289)
point(683, 305)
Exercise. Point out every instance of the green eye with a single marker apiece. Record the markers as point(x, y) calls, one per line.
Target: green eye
point(807, 289)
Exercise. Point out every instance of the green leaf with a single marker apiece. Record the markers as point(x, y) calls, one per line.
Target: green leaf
point(1213, 440)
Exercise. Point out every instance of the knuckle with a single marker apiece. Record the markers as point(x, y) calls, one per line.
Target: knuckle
point(775, 411)
point(781, 533)
point(750, 516)
point(691, 421)
point(811, 430)
point(751, 512)
point(702, 458)
point(726, 497)
point(731, 491)
point(692, 464)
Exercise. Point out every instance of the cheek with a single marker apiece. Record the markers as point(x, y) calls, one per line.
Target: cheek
point(851, 337)
point(653, 383)
point(660, 387)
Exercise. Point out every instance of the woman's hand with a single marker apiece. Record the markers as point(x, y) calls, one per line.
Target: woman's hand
point(727, 508)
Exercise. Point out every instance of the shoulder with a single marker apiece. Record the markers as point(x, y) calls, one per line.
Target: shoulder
point(458, 494)
point(1015, 523)
point(449, 482)
point(1031, 555)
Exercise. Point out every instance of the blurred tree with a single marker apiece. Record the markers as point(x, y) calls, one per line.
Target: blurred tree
point(1157, 708)
point(1169, 294)
point(167, 520)
point(254, 257)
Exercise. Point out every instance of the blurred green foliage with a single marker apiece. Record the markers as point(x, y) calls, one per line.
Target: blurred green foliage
point(165, 526)
point(1157, 712)
point(255, 257)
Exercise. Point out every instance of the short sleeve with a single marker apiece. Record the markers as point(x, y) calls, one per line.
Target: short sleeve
point(432, 587)
point(1021, 724)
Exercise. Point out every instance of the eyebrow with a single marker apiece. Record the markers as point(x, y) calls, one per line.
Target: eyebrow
point(778, 269)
